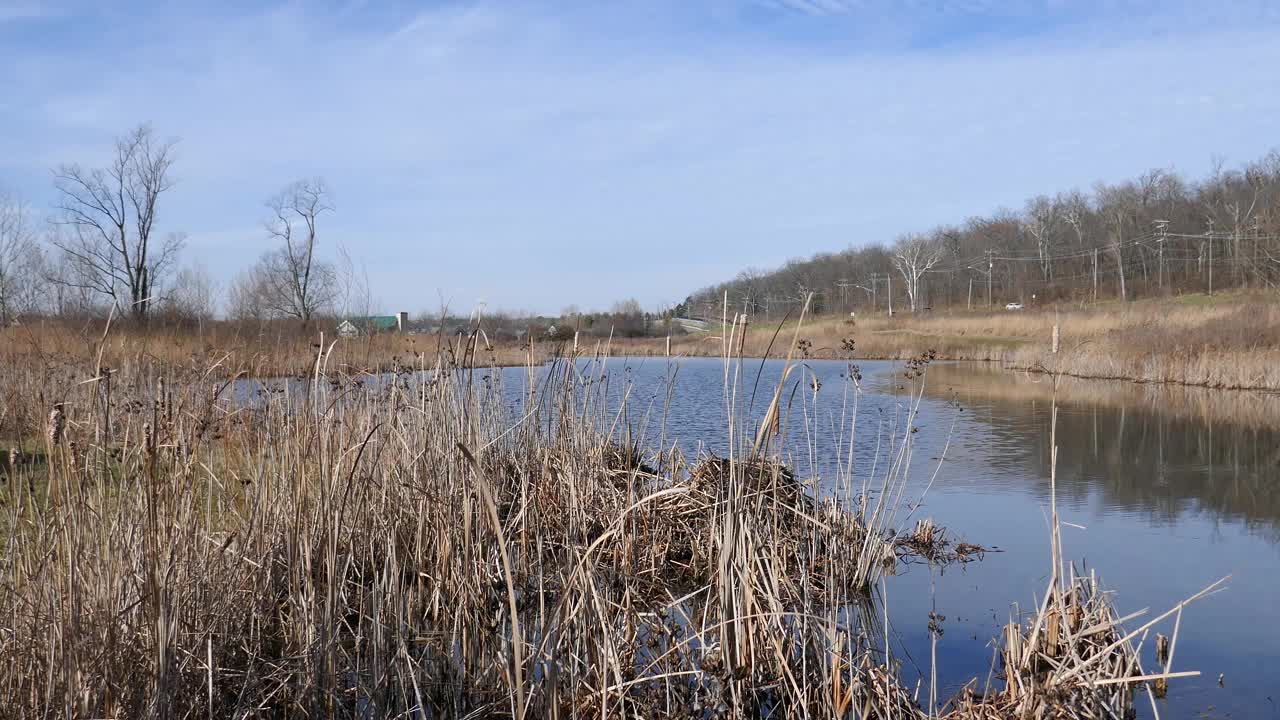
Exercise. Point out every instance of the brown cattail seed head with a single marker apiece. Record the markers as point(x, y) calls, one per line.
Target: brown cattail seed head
point(57, 424)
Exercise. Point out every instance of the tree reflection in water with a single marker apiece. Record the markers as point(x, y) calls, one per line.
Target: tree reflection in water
point(1155, 449)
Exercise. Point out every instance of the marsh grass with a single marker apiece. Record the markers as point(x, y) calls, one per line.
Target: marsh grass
point(271, 351)
point(410, 544)
point(1227, 341)
point(1240, 410)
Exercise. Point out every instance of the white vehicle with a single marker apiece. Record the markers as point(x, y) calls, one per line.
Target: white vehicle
point(1013, 306)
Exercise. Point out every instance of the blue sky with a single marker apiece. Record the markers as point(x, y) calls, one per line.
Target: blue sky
point(534, 155)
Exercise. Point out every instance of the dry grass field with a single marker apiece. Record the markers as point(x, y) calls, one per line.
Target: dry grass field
point(1224, 341)
point(280, 353)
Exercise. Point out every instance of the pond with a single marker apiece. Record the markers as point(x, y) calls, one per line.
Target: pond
point(1162, 490)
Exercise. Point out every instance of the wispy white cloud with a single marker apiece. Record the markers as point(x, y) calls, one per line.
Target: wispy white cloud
point(813, 7)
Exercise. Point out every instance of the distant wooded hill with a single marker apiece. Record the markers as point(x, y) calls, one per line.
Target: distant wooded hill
point(1157, 233)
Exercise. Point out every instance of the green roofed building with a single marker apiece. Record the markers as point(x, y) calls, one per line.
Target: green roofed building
point(373, 324)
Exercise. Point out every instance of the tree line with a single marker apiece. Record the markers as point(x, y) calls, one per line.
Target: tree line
point(98, 252)
point(1153, 235)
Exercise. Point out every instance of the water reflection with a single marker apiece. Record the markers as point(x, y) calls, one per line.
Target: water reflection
point(1159, 451)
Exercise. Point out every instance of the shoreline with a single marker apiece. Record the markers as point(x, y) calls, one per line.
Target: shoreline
point(1003, 363)
point(1220, 342)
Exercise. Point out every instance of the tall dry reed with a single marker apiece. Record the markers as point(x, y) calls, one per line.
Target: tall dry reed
point(428, 543)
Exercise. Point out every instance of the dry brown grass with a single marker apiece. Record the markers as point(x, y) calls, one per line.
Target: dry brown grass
point(405, 545)
point(1228, 341)
point(366, 546)
point(1228, 346)
point(281, 353)
point(1206, 406)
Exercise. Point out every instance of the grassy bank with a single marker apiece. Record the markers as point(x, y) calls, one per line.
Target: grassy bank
point(1224, 341)
point(286, 353)
point(1258, 409)
point(1229, 341)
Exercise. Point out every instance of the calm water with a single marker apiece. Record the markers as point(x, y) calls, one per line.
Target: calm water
point(1172, 488)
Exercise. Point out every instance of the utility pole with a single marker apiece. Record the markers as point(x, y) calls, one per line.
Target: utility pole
point(1095, 274)
point(991, 267)
point(1210, 256)
point(970, 292)
point(843, 284)
point(1256, 232)
point(1162, 226)
point(889, 280)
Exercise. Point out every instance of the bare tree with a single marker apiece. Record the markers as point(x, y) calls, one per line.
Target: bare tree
point(751, 294)
point(1042, 224)
point(630, 306)
point(357, 297)
point(1075, 209)
point(1117, 206)
point(247, 298)
point(913, 256)
point(20, 276)
point(299, 283)
point(69, 293)
point(194, 297)
point(627, 318)
point(110, 216)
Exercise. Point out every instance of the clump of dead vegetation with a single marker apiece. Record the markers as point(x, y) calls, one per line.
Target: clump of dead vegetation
point(198, 543)
point(932, 543)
